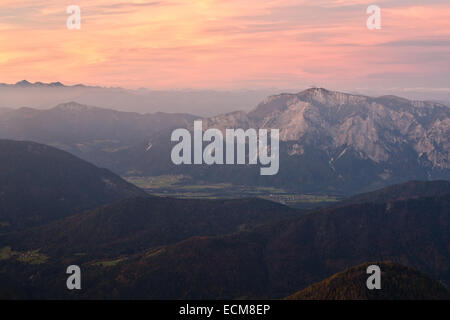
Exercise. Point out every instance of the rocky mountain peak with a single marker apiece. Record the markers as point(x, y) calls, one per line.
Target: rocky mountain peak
point(374, 128)
point(330, 98)
point(23, 83)
point(26, 83)
point(73, 106)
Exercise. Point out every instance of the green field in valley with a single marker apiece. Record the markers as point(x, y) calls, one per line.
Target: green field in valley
point(179, 186)
point(29, 257)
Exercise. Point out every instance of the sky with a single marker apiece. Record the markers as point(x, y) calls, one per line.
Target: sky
point(228, 44)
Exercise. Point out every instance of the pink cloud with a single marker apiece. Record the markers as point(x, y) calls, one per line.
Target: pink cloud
point(222, 44)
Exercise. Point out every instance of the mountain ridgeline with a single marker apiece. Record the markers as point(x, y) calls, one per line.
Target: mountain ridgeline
point(74, 123)
point(199, 102)
point(276, 260)
point(92, 133)
point(343, 143)
point(403, 191)
point(136, 224)
point(398, 283)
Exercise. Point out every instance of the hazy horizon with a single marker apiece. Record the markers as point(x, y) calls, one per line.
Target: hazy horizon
point(200, 102)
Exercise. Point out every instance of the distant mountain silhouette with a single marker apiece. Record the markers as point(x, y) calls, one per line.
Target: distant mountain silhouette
point(25, 83)
point(43, 95)
point(38, 84)
point(92, 133)
point(397, 283)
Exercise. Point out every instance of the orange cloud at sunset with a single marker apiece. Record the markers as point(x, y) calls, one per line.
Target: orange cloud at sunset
point(226, 44)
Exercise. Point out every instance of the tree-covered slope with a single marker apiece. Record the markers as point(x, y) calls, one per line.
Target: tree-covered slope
point(397, 283)
point(39, 183)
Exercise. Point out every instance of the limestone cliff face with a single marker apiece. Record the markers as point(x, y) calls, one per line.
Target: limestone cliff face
point(375, 128)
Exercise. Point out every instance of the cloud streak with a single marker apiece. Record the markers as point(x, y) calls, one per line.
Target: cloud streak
point(226, 44)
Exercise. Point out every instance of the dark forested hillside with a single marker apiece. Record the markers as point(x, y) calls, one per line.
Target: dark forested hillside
point(137, 224)
point(407, 190)
point(39, 183)
point(397, 283)
point(273, 260)
point(278, 259)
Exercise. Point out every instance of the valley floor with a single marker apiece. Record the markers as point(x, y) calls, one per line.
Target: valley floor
point(179, 186)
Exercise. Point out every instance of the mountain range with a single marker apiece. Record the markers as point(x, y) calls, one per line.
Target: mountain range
point(331, 142)
point(63, 202)
point(72, 123)
point(373, 139)
point(43, 95)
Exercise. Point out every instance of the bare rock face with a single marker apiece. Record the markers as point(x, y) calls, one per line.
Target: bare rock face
point(334, 143)
point(375, 128)
point(237, 119)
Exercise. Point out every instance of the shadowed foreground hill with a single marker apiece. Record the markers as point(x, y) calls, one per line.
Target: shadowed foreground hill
point(103, 240)
point(397, 283)
point(39, 183)
point(273, 260)
point(278, 259)
point(136, 224)
point(407, 190)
